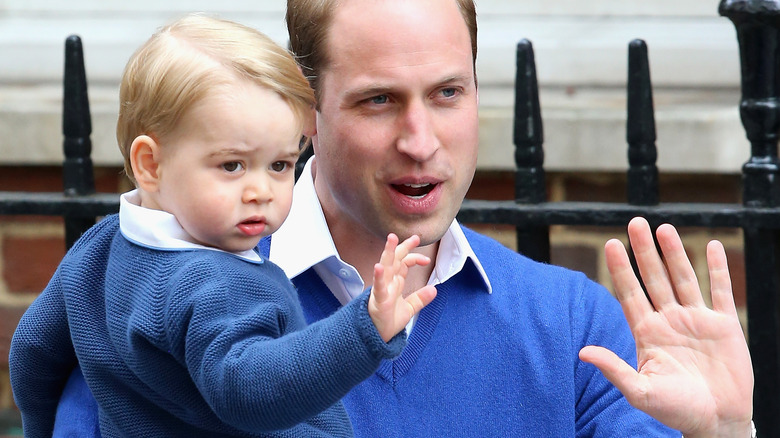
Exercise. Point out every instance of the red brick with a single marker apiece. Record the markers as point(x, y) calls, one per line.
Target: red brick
point(29, 262)
point(28, 219)
point(9, 319)
point(49, 179)
point(492, 186)
point(581, 258)
point(736, 258)
point(31, 178)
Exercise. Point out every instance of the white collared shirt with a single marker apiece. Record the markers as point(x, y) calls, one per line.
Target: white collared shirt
point(159, 229)
point(306, 227)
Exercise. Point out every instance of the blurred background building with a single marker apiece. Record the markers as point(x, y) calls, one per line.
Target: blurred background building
point(581, 58)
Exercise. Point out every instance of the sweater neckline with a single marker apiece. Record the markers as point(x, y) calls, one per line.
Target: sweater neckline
point(318, 305)
point(427, 320)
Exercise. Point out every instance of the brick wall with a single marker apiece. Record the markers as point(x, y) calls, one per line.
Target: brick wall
point(30, 249)
point(582, 248)
point(31, 246)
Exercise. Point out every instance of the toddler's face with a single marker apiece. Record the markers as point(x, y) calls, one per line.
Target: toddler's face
point(227, 170)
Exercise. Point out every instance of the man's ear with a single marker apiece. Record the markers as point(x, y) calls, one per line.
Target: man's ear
point(310, 126)
point(310, 123)
point(145, 162)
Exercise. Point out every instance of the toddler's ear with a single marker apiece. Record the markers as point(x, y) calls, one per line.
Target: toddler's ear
point(145, 161)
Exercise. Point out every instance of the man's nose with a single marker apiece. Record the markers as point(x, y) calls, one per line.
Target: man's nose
point(417, 137)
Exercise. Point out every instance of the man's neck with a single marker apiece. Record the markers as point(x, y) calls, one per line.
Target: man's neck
point(362, 249)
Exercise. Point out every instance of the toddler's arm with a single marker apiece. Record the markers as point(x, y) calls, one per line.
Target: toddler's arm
point(389, 309)
point(40, 360)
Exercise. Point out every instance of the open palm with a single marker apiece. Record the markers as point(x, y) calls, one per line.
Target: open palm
point(693, 366)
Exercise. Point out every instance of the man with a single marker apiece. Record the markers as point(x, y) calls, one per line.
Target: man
point(496, 353)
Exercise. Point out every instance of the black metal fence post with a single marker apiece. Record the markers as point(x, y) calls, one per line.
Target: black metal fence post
point(642, 179)
point(758, 33)
point(77, 173)
point(528, 138)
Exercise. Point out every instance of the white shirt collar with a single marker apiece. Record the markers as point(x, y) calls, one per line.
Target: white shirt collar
point(304, 241)
point(159, 229)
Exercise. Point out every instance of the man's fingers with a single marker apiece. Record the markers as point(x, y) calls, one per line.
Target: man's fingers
point(682, 275)
point(616, 370)
point(650, 264)
point(720, 280)
point(627, 288)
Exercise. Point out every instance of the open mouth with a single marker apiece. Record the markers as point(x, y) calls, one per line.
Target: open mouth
point(414, 190)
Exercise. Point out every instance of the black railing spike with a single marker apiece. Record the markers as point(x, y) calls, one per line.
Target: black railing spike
point(530, 186)
point(758, 33)
point(77, 171)
point(528, 135)
point(76, 122)
point(642, 184)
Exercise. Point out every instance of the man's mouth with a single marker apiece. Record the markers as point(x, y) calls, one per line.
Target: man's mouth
point(416, 191)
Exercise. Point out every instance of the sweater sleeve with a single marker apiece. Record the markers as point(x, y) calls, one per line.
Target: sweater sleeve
point(257, 364)
point(601, 409)
point(41, 359)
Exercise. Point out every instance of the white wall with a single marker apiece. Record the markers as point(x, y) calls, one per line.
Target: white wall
point(581, 55)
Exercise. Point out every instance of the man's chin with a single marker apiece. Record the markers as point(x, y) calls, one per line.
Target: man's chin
point(429, 234)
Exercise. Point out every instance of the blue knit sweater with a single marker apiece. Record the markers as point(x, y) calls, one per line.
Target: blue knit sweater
point(188, 343)
point(498, 365)
point(501, 364)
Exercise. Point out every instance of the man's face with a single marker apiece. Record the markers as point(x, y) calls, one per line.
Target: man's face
point(396, 140)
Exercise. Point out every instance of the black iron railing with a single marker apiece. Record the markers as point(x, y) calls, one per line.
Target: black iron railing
point(757, 24)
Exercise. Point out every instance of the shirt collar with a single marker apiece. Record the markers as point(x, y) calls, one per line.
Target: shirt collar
point(159, 229)
point(306, 223)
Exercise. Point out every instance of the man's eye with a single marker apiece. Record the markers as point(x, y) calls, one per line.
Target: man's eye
point(279, 166)
point(448, 92)
point(379, 100)
point(232, 166)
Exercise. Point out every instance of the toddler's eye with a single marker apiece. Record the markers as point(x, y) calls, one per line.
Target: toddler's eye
point(279, 166)
point(232, 166)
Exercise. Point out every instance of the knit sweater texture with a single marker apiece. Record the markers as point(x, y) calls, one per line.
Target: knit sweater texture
point(476, 364)
point(188, 343)
point(500, 364)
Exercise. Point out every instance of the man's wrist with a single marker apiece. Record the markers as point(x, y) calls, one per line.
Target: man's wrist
point(753, 433)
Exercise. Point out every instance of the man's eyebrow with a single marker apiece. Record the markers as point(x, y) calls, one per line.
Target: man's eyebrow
point(368, 90)
point(378, 90)
point(456, 78)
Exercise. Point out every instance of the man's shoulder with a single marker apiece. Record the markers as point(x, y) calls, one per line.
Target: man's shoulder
point(489, 250)
point(506, 266)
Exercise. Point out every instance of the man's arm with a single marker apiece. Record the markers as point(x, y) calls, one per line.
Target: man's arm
point(694, 371)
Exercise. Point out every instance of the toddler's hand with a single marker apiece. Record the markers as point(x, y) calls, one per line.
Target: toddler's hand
point(388, 308)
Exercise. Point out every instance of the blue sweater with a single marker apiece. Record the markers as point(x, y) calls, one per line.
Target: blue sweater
point(501, 364)
point(188, 343)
